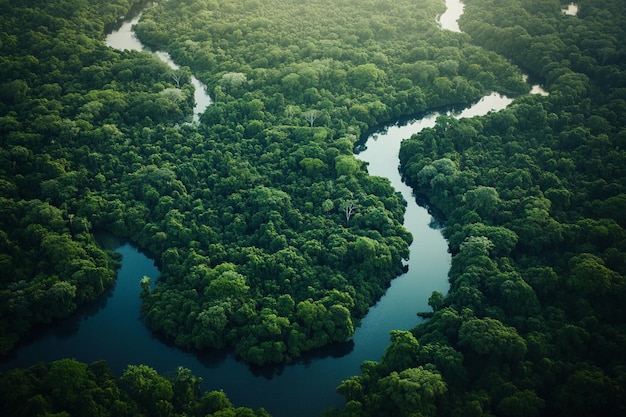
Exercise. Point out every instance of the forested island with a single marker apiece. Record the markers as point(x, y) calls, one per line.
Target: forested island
point(272, 238)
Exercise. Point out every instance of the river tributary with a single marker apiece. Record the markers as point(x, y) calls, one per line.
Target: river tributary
point(112, 329)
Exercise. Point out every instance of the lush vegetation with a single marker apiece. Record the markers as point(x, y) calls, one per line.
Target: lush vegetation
point(50, 76)
point(270, 235)
point(534, 199)
point(294, 241)
point(70, 388)
point(273, 239)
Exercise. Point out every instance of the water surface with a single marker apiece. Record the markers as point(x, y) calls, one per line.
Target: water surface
point(449, 20)
point(112, 329)
point(124, 38)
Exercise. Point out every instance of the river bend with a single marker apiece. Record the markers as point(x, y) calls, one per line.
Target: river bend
point(112, 329)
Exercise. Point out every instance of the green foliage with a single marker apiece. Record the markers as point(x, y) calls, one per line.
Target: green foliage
point(349, 67)
point(401, 353)
point(92, 139)
point(69, 387)
point(537, 276)
point(247, 211)
point(49, 266)
point(395, 385)
point(65, 101)
point(489, 337)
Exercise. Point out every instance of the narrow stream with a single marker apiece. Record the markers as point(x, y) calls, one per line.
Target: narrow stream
point(112, 330)
point(449, 20)
point(571, 9)
point(125, 38)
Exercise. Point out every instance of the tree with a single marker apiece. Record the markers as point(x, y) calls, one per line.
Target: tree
point(503, 239)
point(210, 329)
point(347, 165)
point(340, 323)
point(402, 352)
point(484, 200)
point(588, 391)
point(436, 301)
point(522, 404)
point(410, 391)
point(151, 391)
point(233, 79)
point(311, 116)
point(313, 166)
point(475, 246)
point(349, 207)
point(590, 276)
point(61, 296)
point(186, 388)
point(66, 380)
point(351, 389)
point(229, 284)
point(489, 337)
point(309, 312)
point(145, 284)
point(215, 401)
point(365, 76)
point(285, 305)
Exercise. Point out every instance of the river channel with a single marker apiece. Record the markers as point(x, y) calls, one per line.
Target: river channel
point(112, 330)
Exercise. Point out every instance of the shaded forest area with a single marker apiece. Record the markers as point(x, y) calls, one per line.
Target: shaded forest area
point(533, 198)
point(270, 235)
point(70, 388)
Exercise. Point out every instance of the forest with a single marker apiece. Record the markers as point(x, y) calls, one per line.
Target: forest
point(272, 238)
point(533, 200)
point(79, 389)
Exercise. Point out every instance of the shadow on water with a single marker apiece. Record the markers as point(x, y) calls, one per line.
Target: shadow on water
point(334, 351)
point(373, 133)
point(62, 329)
point(107, 240)
point(69, 327)
point(438, 220)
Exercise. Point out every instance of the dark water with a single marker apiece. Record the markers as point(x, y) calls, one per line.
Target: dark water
point(112, 329)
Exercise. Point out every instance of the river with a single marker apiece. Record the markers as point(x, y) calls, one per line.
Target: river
point(571, 9)
point(124, 38)
point(449, 20)
point(112, 329)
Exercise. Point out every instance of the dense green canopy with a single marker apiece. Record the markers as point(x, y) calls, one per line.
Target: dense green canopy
point(70, 388)
point(271, 236)
point(532, 198)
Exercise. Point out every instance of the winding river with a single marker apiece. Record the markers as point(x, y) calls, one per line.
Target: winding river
point(124, 38)
point(112, 329)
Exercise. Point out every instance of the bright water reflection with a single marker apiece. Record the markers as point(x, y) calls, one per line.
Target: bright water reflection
point(449, 20)
point(571, 9)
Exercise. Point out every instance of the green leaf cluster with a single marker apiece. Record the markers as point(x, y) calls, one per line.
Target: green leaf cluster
point(263, 181)
point(531, 198)
point(65, 99)
point(396, 385)
point(271, 236)
point(355, 65)
point(67, 387)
